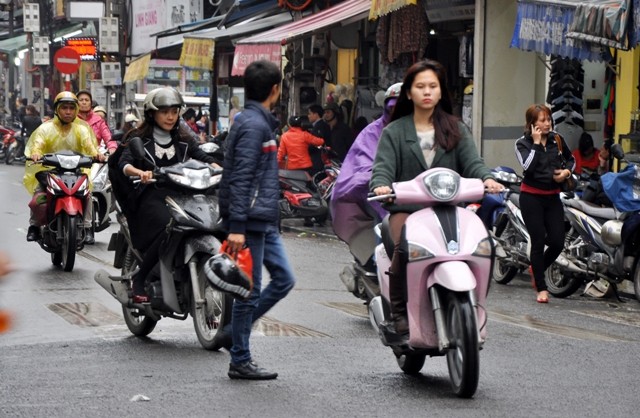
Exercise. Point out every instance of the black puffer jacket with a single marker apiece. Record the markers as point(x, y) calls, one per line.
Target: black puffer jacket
point(249, 189)
point(539, 162)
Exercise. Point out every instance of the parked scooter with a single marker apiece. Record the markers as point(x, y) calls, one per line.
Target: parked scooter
point(10, 145)
point(179, 285)
point(298, 199)
point(602, 242)
point(59, 210)
point(502, 215)
point(326, 179)
point(448, 274)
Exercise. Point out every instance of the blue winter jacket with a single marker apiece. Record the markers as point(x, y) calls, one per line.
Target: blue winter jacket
point(249, 189)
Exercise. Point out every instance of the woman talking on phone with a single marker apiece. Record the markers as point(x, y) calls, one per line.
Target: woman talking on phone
point(547, 161)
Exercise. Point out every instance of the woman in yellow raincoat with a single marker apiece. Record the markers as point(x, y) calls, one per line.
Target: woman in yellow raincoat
point(64, 132)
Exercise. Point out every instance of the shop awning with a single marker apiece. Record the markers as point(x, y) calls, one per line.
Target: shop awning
point(542, 26)
point(243, 29)
point(189, 27)
point(603, 22)
point(243, 10)
point(255, 47)
point(14, 44)
point(448, 10)
point(382, 7)
point(137, 69)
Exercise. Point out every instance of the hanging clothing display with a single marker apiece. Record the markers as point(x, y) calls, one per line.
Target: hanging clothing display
point(566, 85)
point(404, 31)
point(466, 56)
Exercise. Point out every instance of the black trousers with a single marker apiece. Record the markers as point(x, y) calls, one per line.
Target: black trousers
point(543, 216)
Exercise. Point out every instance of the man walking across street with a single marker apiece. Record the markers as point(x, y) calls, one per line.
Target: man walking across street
point(249, 194)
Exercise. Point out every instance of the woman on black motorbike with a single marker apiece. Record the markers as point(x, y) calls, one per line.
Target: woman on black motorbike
point(165, 143)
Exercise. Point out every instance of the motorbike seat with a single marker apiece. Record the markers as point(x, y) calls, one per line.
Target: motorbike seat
point(385, 235)
point(593, 209)
point(295, 175)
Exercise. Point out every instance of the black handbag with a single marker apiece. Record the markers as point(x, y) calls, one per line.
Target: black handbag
point(570, 183)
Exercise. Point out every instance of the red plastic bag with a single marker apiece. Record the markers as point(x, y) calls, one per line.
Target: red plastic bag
point(242, 258)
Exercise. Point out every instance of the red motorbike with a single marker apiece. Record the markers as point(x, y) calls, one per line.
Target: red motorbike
point(10, 145)
point(59, 210)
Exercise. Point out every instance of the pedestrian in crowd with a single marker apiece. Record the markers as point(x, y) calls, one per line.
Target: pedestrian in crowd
point(99, 126)
point(354, 217)
point(64, 132)
point(547, 161)
point(587, 156)
point(30, 122)
point(341, 135)
point(293, 151)
point(22, 108)
point(249, 195)
point(203, 124)
point(190, 117)
point(321, 129)
point(234, 110)
point(130, 122)
point(102, 112)
point(422, 134)
point(166, 143)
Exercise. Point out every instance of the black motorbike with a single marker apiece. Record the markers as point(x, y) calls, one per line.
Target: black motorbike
point(178, 286)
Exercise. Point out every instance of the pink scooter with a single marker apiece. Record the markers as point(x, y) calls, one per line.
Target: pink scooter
point(449, 261)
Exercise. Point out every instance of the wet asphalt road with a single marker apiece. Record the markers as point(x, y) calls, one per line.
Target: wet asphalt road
point(70, 354)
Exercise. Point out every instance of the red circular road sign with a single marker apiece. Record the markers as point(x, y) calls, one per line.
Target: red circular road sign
point(67, 60)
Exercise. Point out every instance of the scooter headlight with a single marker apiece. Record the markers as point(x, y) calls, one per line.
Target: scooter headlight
point(417, 252)
point(69, 161)
point(484, 248)
point(195, 179)
point(442, 185)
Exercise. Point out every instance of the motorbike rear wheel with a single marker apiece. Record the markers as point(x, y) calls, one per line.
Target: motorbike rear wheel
point(560, 284)
point(463, 355)
point(411, 364)
point(11, 153)
point(139, 324)
point(636, 279)
point(56, 258)
point(69, 241)
point(210, 317)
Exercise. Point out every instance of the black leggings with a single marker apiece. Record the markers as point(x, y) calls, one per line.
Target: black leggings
point(149, 260)
point(544, 217)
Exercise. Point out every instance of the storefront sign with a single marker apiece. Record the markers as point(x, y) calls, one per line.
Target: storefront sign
point(602, 22)
point(85, 47)
point(543, 28)
point(137, 69)
point(197, 53)
point(245, 54)
point(446, 10)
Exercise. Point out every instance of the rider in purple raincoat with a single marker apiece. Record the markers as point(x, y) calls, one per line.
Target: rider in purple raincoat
point(354, 217)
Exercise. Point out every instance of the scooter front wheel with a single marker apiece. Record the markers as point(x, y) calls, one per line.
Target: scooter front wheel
point(211, 316)
point(69, 241)
point(463, 355)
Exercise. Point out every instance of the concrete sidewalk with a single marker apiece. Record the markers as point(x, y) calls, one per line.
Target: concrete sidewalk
point(297, 226)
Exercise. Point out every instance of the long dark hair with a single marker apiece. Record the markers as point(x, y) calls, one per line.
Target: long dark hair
point(447, 132)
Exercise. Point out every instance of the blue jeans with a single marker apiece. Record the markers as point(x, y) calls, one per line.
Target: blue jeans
point(266, 248)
